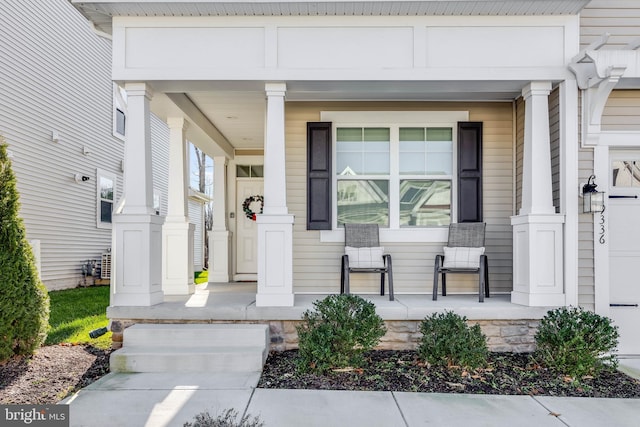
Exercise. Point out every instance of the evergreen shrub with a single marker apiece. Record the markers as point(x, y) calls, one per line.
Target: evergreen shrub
point(576, 342)
point(337, 333)
point(24, 301)
point(447, 340)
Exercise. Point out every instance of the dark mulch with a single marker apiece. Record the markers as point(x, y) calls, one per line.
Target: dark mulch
point(390, 370)
point(51, 374)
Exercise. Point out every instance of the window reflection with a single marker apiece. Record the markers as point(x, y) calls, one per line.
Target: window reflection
point(625, 173)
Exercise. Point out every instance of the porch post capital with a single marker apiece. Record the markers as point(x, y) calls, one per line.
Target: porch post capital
point(536, 89)
point(138, 89)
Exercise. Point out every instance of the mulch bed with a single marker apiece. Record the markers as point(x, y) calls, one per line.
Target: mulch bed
point(390, 370)
point(57, 371)
point(51, 374)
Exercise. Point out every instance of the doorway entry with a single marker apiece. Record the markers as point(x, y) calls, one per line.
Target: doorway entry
point(624, 247)
point(248, 188)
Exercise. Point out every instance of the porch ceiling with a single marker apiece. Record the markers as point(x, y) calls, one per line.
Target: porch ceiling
point(237, 109)
point(100, 12)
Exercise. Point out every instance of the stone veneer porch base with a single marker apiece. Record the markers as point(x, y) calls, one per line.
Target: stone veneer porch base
point(502, 335)
point(508, 327)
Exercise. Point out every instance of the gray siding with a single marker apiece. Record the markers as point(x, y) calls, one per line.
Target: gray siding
point(620, 18)
point(160, 159)
point(55, 75)
point(196, 218)
point(554, 137)
point(316, 265)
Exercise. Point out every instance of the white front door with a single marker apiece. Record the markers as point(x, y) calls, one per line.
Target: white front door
point(624, 247)
point(247, 229)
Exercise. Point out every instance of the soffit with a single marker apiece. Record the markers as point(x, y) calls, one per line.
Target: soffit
point(237, 110)
point(100, 12)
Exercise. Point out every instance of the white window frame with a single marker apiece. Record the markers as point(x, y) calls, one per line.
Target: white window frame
point(109, 175)
point(119, 103)
point(394, 120)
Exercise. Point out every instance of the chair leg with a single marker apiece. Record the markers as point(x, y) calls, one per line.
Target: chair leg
point(444, 284)
point(342, 276)
point(382, 284)
point(486, 277)
point(436, 273)
point(390, 273)
point(481, 281)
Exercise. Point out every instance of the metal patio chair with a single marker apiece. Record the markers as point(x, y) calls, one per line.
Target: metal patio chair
point(363, 254)
point(464, 254)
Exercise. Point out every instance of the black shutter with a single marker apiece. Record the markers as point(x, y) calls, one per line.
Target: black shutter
point(319, 176)
point(470, 172)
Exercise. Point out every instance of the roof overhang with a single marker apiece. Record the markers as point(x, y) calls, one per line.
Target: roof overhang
point(100, 12)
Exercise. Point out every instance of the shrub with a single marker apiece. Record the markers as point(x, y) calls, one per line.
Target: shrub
point(227, 419)
point(24, 302)
point(448, 340)
point(576, 342)
point(337, 332)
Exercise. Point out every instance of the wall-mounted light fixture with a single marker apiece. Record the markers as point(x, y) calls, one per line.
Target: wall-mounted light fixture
point(80, 178)
point(592, 199)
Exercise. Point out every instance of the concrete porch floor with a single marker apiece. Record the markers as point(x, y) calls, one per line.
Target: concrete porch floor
point(236, 302)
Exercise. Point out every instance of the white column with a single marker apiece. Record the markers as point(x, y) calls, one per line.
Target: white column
point(569, 185)
point(219, 238)
point(275, 225)
point(177, 232)
point(537, 230)
point(137, 231)
point(537, 196)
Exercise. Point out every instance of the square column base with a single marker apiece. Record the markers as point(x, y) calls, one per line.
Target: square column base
point(275, 261)
point(137, 260)
point(219, 256)
point(177, 258)
point(538, 260)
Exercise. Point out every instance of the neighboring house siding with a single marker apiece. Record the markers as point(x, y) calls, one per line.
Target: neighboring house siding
point(620, 18)
point(160, 158)
point(55, 75)
point(196, 218)
point(316, 265)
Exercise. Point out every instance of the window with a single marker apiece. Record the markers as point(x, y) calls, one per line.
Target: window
point(625, 173)
point(401, 170)
point(157, 201)
point(119, 111)
point(106, 187)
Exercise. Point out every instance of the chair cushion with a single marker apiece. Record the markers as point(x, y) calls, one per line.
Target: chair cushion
point(365, 257)
point(462, 258)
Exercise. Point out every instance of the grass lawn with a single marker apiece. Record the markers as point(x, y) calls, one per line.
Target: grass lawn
point(201, 276)
point(75, 313)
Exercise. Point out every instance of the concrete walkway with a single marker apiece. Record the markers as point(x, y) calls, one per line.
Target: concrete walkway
point(158, 400)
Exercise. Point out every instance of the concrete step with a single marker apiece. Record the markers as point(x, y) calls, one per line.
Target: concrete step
point(196, 335)
point(192, 348)
point(191, 359)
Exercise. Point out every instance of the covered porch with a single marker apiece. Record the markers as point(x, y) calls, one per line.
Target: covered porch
point(255, 103)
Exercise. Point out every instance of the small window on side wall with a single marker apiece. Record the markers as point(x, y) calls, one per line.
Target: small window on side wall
point(105, 191)
point(119, 111)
